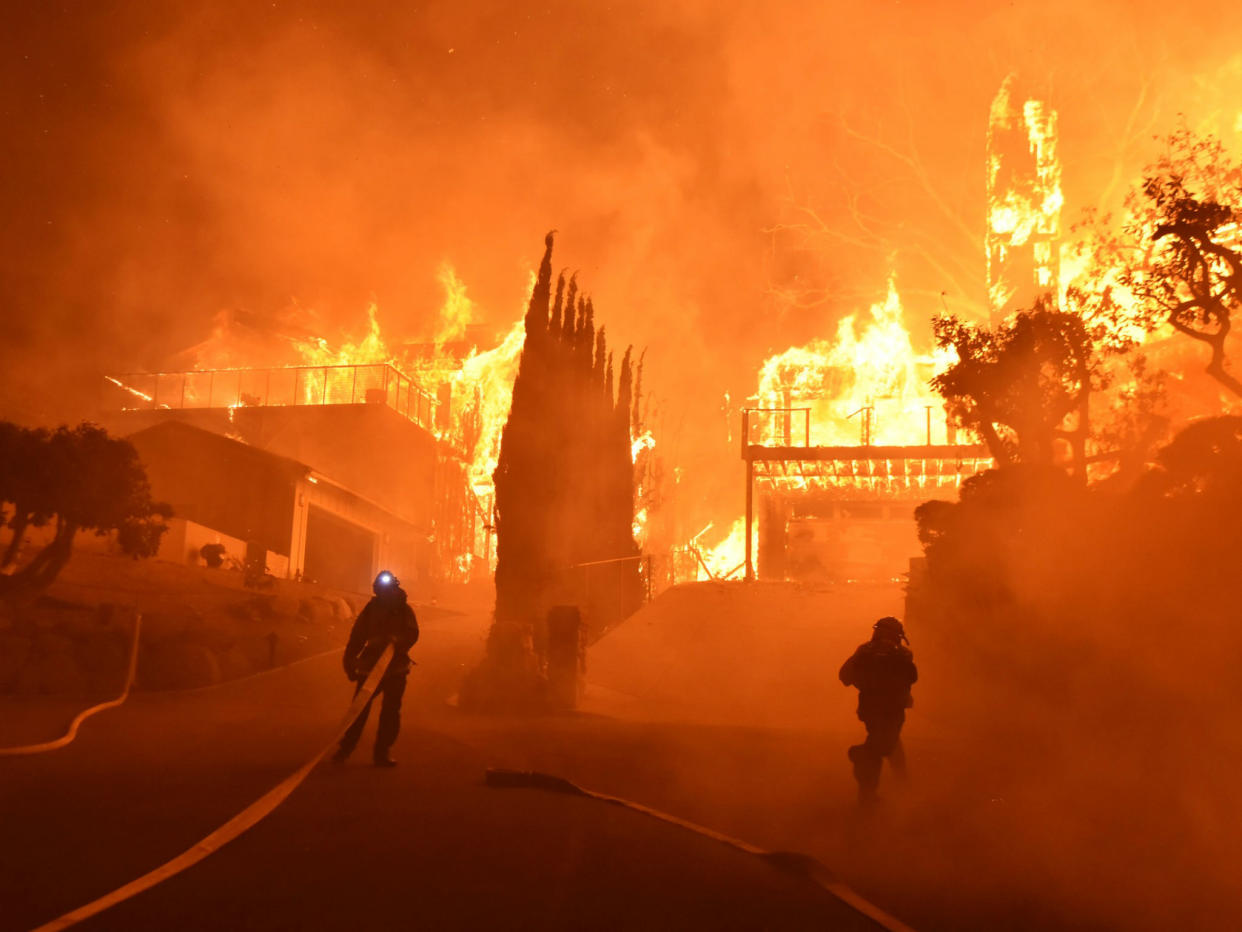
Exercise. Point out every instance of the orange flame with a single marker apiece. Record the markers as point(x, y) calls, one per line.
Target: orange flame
point(866, 386)
point(1024, 202)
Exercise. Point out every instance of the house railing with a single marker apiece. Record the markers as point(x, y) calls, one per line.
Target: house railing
point(367, 383)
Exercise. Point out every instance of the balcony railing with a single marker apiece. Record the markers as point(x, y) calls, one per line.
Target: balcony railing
point(370, 383)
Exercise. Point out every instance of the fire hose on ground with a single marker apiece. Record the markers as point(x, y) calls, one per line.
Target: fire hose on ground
point(72, 731)
point(789, 862)
point(234, 827)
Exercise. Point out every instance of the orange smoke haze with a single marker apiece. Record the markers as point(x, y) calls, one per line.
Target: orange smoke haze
point(732, 180)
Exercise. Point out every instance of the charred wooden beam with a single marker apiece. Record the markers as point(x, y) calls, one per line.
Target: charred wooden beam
point(757, 453)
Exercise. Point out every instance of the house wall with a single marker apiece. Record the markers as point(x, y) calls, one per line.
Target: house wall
point(221, 484)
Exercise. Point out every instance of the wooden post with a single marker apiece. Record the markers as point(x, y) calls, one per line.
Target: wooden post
point(750, 517)
point(787, 417)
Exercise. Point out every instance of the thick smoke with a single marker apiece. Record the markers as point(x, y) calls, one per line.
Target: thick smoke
point(731, 179)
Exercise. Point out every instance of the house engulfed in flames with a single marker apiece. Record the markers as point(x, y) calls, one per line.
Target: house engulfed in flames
point(358, 458)
point(844, 438)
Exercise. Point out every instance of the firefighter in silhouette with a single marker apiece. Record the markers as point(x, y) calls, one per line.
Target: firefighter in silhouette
point(883, 670)
point(386, 619)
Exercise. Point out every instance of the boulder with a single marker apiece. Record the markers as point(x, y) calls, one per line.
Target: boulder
point(217, 634)
point(179, 665)
point(257, 610)
point(54, 674)
point(161, 627)
point(103, 660)
point(60, 673)
point(286, 606)
point(318, 611)
point(83, 625)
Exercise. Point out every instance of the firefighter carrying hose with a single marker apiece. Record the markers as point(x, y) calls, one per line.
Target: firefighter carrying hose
point(386, 619)
point(883, 670)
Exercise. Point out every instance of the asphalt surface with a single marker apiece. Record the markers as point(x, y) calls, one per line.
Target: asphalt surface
point(426, 844)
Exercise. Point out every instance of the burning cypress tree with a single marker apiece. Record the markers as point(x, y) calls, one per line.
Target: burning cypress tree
point(564, 491)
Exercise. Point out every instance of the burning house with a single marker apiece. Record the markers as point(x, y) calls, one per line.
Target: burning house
point(842, 441)
point(381, 455)
point(329, 472)
point(841, 512)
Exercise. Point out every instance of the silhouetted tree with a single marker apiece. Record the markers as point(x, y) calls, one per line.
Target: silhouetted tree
point(76, 479)
point(1178, 253)
point(1022, 385)
point(564, 489)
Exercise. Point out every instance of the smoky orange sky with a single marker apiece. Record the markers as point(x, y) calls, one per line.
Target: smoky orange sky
point(163, 162)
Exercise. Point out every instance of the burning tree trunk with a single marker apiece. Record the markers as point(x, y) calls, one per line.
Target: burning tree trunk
point(564, 492)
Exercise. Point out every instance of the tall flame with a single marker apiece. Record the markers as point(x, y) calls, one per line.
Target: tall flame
point(457, 311)
point(370, 349)
point(481, 382)
point(484, 385)
point(868, 385)
point(1024, 203)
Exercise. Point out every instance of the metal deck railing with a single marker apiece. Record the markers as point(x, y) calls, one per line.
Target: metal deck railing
point(367, 383)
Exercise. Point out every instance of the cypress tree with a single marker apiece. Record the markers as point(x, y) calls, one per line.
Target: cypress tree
point(564, 491)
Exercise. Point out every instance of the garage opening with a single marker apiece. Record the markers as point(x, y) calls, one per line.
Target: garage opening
point(339, 553)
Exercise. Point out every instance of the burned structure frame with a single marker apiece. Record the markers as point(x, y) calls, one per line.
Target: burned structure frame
point(867, 472)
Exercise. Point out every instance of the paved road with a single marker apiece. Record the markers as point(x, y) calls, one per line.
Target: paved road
point(423, 845)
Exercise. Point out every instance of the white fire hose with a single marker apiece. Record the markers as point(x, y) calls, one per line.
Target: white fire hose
point(82, 716)
point(251, 815)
